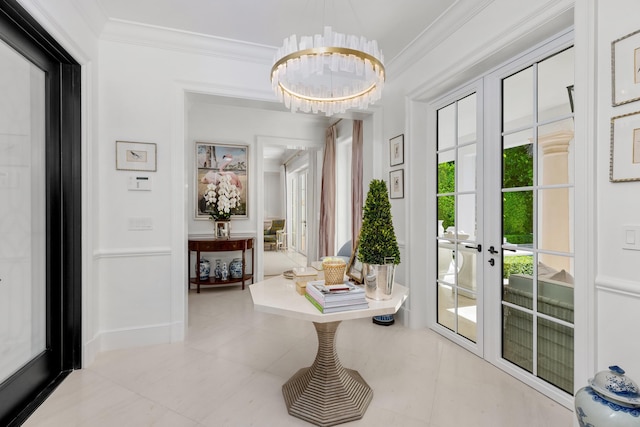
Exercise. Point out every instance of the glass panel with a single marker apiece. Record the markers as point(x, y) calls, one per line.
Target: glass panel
point(517, 337)
point(467, 119)
point(517, 276)
point(467, 168)
point(555, 219)
point(517, 99)
point(555, 74)
point(446, 211)
point(467, 322)
point(517, 160)
point(555, 153)
point(23, 256)
point(446, 265)
point(467, 269)
point(446, 307)
point(517, 218)
point(555, 286)
point(446, 174)
point(446, 127)
point(466, 224)
point(555, 354)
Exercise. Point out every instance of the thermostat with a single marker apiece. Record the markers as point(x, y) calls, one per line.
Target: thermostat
point(139, 183)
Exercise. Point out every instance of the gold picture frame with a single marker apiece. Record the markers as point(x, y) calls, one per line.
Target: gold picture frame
point(625, 69)
point(624, 164)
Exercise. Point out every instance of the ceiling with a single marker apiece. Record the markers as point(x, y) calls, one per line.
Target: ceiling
point(394, 24)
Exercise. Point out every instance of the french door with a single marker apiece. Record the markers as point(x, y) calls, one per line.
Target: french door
point(39, 214)
point(298, 210)
point(505, 197)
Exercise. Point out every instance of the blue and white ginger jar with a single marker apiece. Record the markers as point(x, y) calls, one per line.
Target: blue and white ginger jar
point(610, 400)
point(205, 269)
point(235, 268)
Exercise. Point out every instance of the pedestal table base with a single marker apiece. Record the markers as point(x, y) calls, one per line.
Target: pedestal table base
point(326, 394)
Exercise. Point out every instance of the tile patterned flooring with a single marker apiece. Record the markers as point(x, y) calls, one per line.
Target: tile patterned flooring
point(230, 369)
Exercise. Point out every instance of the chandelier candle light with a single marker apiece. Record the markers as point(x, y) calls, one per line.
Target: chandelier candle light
point(330, 73)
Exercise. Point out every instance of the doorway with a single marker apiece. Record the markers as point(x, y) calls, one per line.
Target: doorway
point(40, 214)
point(504, 197)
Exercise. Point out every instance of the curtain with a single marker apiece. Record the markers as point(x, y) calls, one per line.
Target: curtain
point(356, 181)
point(326, 241)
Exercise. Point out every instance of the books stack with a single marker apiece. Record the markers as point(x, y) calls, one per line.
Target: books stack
point(335, 298)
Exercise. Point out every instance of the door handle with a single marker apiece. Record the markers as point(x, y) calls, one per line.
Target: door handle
point(492, 250)
point(478, 248)
point(492, 262)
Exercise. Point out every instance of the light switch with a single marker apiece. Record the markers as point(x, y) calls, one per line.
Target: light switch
point(631, 237)
point(137, 224)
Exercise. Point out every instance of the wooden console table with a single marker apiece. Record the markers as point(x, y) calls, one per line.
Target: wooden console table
point(198, 245)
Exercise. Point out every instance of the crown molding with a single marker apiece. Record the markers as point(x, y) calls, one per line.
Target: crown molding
point(135, 33)
point(450, 21)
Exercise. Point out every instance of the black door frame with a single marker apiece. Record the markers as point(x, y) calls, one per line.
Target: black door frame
point(25, 390)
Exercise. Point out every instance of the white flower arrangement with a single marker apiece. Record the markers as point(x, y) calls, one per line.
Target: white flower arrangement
point(222, 198)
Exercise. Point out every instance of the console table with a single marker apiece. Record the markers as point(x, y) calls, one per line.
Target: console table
point(325, 393)
point(198, 245)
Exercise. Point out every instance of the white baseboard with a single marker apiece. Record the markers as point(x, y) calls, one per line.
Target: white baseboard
point(136, 337)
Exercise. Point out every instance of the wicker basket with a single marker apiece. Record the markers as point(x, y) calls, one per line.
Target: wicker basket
point(333, 271)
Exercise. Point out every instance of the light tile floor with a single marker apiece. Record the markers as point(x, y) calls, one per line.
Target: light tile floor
point(230, 369)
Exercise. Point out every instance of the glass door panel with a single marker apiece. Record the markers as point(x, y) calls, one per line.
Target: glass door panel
point(22, 212)
point(537, 226)
point(457, 283)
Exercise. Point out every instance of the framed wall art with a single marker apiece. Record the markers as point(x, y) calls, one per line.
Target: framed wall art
point(625, 69)
point(396, 184)
point(136, 156)
point(624, 163)
point(355, 267)
point(396, 150)
point(214, 160)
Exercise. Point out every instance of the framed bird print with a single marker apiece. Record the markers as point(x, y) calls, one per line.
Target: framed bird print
point(214, 161)
point(136, 156)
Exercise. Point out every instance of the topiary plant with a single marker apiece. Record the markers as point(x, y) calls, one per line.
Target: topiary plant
point(377, 237)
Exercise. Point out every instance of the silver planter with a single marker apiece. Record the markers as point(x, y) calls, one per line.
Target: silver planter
point(378, 280)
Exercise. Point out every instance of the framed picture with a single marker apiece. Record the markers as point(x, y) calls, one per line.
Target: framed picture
point(354, 267)
point(396, 150)
point(624, 163)
point(396, 184)
point(625, 69)
point(136, 156)
point(214, 160)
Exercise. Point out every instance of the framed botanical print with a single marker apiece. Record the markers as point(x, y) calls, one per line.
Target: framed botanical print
point(214, 160)
point(625, 69)
point(396, 150)
point(396, 184)
point(624, 163)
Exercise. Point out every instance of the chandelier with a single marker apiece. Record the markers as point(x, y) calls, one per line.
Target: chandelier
point(329, 73)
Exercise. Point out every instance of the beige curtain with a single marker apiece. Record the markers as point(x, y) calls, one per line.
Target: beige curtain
point(326, 239)
point(356, 181)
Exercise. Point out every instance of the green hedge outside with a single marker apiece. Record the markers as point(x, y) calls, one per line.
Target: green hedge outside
point(518, 264)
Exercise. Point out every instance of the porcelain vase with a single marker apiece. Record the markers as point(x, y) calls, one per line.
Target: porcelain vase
point(235, 268)
point(610, 400)
point(205, 269)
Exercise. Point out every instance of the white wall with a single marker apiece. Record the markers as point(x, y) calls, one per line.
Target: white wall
point(618, 275)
